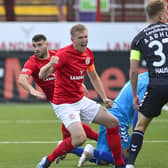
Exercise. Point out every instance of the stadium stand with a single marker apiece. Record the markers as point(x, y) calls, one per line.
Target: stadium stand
point(46, 10)
point(2, 11)
point(33, 10)
point(129, 10)
point(125, 11)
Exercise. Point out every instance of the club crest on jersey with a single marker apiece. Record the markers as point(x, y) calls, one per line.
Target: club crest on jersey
point(87, 60)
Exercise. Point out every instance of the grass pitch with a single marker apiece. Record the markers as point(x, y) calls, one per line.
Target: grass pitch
point(30, 131)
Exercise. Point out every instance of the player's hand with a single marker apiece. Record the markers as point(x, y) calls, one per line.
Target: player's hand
point(136, 103)
point(37, 93)
point(108, 103)
point(54, 60)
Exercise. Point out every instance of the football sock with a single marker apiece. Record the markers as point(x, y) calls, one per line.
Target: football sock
point(91, 134)
point(135, 146)
point(61, 149)
point(77, 151)
point(65, 132)
point(106, 156)
point(114, 142)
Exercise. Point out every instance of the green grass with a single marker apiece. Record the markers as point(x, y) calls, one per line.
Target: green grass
point(30, 131)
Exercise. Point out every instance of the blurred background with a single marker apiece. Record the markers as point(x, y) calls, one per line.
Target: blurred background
point(73, 10)
point(112, 24)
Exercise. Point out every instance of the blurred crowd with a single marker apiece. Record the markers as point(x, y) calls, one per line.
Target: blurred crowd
point(76, 10)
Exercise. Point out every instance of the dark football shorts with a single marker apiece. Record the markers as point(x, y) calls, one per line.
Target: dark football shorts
point(153, 101)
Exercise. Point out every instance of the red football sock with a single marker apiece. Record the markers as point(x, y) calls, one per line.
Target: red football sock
point(91, 134)
point(114, 142)
point(61, 149)
point(65, 132)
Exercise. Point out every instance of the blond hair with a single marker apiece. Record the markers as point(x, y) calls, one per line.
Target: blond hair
point(77, 28)
point(154, 7)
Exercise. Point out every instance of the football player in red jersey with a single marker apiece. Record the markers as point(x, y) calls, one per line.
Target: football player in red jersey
point(69, 103)
point(32, 67)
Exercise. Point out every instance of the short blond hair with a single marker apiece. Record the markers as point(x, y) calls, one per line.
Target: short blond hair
point(153, 7)
point(77, 28)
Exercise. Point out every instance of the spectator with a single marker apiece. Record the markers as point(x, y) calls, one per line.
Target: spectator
point(60, 5)
point(9, 10)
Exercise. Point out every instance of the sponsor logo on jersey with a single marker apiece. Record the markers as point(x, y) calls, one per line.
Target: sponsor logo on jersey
point(87, 60)
point(161, 70)
point(77, 77)
point(51, 77)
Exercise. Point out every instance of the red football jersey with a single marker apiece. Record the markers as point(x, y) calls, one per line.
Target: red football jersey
point(34, 64)
point(70, 72)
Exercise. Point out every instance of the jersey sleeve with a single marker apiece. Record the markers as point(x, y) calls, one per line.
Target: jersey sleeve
point(92, 60)
point(135, 43)
point(28, 67)
point(92, 57)
point(135, 53)
point(91, 66)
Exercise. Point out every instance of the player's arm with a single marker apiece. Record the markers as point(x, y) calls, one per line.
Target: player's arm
point(133, 74)
point(85, 89)
point(23, 80)
point(47, 69)
point(97, 84)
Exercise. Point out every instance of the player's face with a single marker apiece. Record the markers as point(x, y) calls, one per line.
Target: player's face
point(40, 49)
point(80, 40)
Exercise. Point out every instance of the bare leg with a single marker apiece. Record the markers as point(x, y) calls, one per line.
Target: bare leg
point(105, 118)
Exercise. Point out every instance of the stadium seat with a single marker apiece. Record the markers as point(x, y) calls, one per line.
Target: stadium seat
point(33, 10)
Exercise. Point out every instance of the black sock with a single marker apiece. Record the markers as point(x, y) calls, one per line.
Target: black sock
point(135, 146)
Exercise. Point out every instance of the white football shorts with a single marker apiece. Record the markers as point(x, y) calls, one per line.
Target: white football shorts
point(83, 110)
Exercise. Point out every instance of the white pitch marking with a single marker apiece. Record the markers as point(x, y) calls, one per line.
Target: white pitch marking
point(53, 121)
point(29, 121)
point(55, 142)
